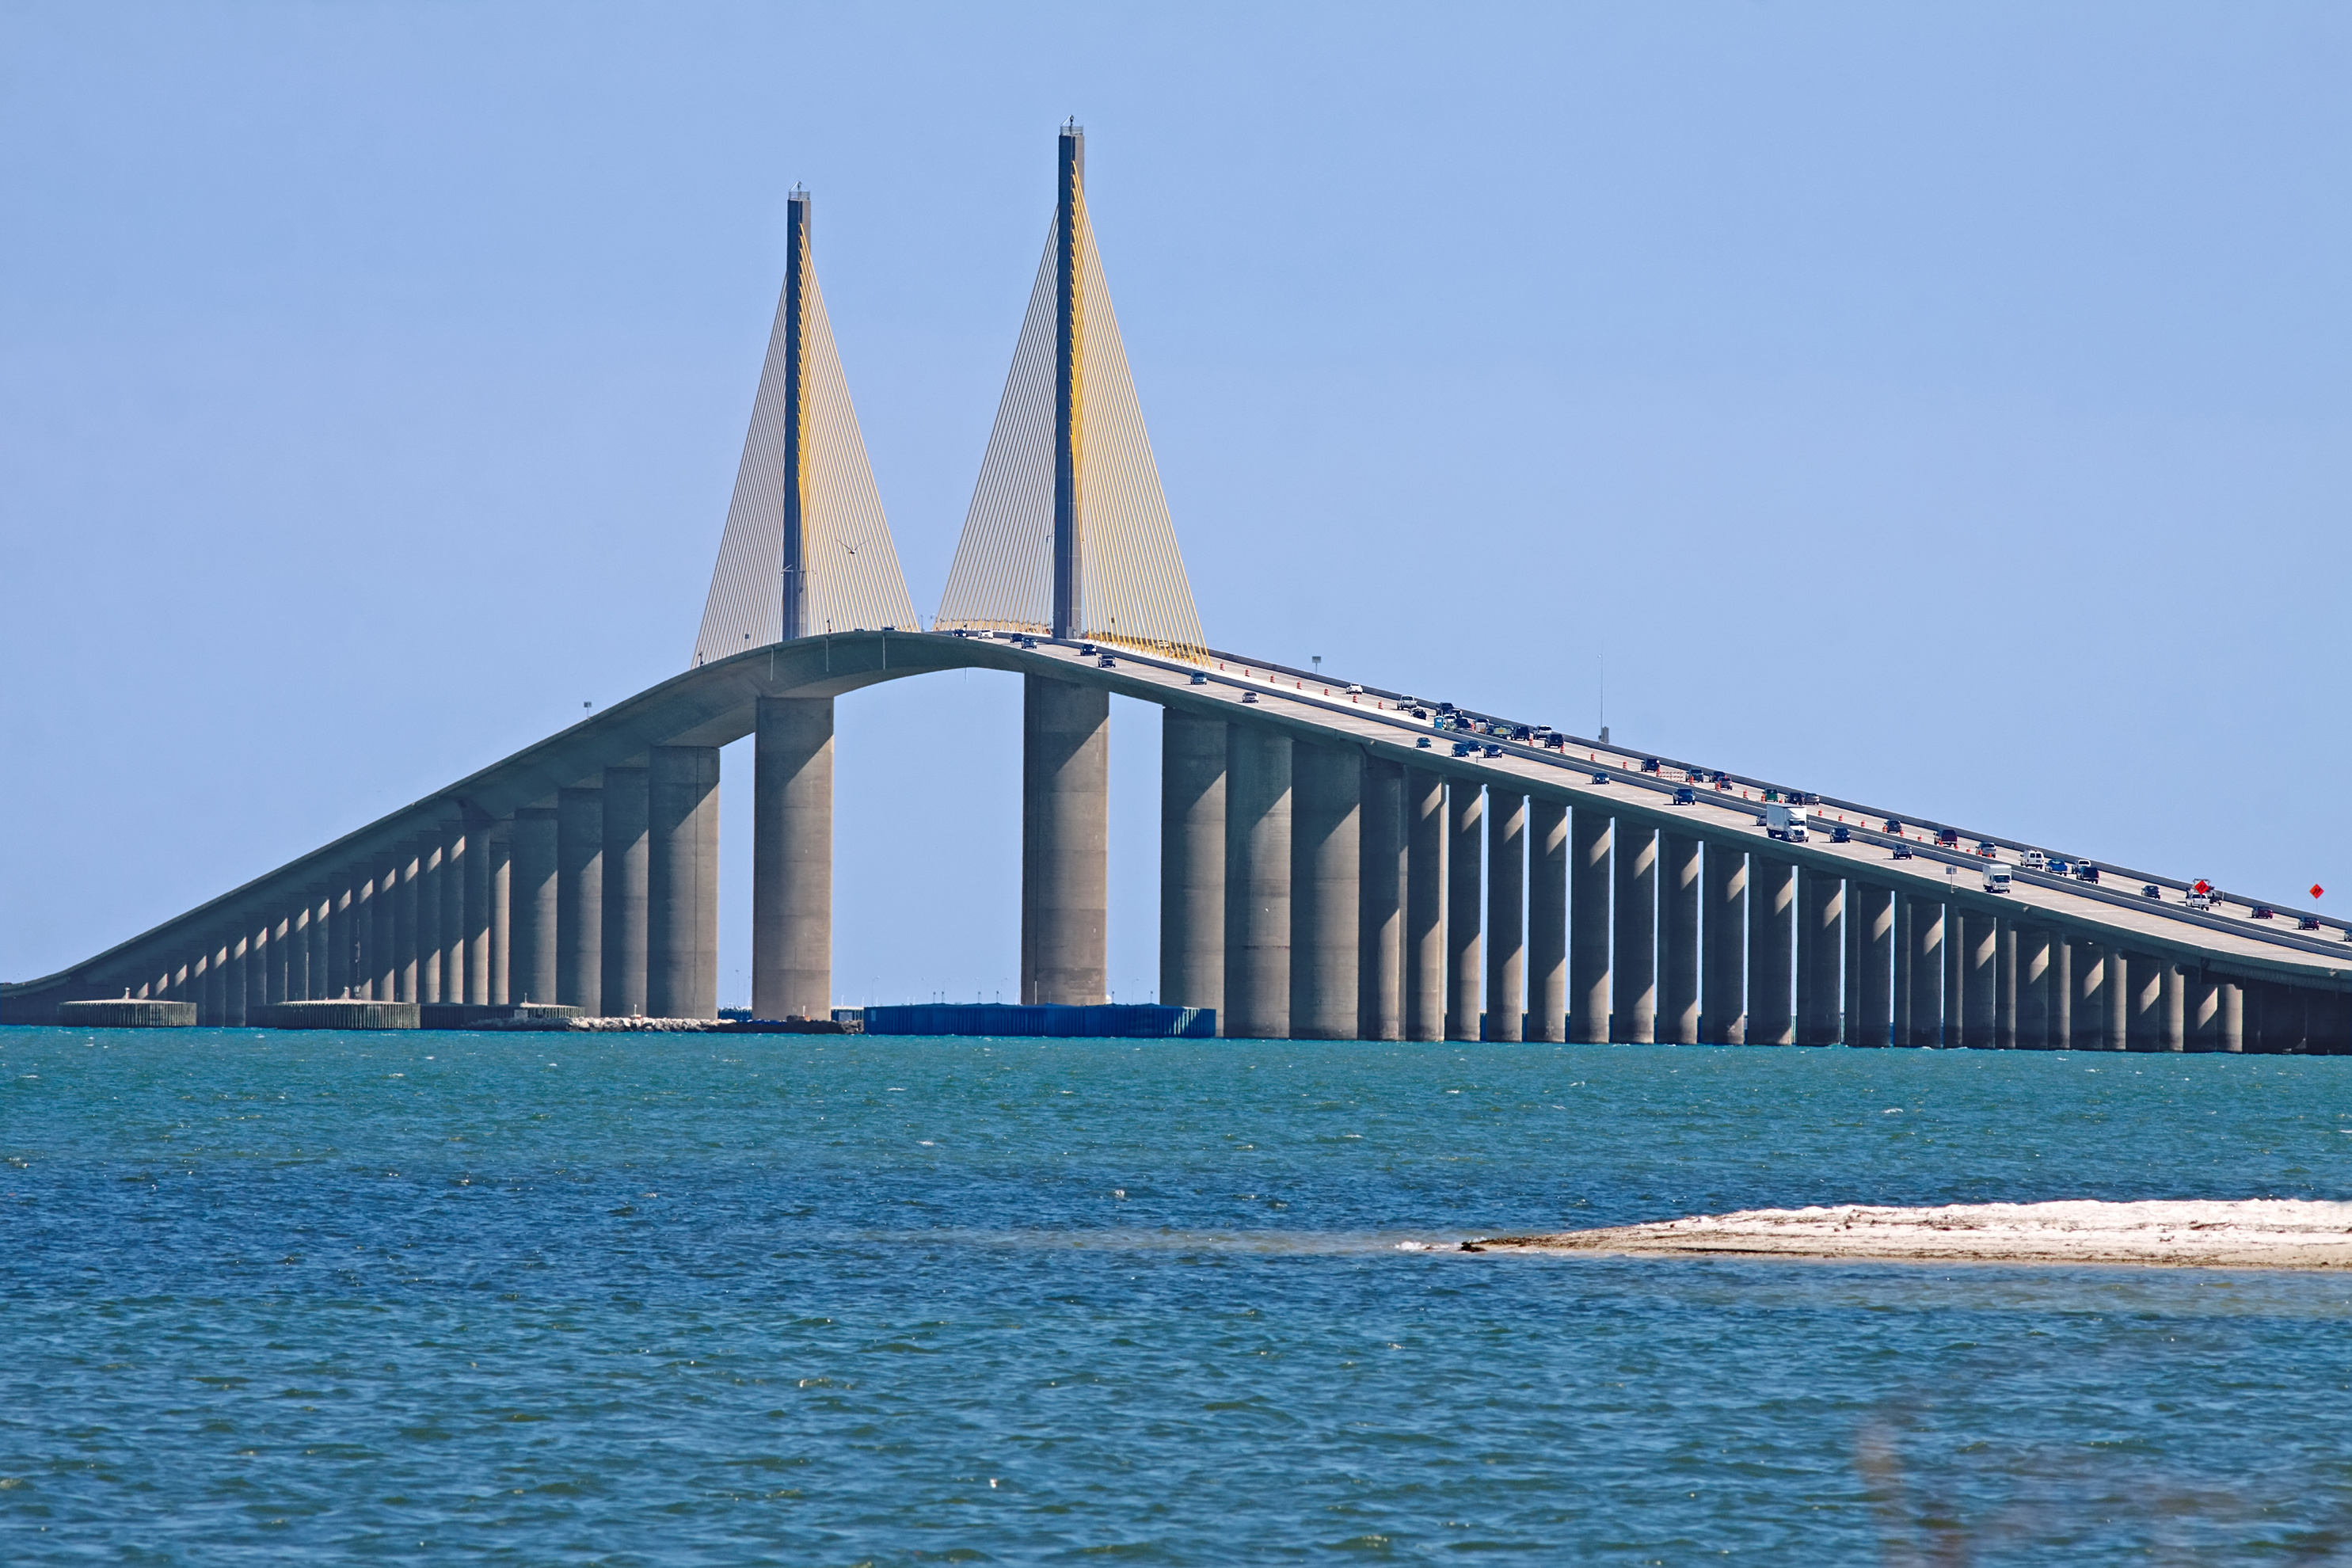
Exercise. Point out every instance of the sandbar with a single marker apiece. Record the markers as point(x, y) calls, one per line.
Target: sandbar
point(2249, 1233)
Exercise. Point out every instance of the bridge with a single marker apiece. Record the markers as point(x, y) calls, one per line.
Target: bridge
point(1337, 861)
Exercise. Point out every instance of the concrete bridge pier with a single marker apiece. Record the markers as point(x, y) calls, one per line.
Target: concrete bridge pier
point(1923, 1003)
point(2115, 985)
point(1065, 842)
point(453, 908)
point(1869, 916)
point(501, 911)
point(2004, 986)
point(1506, 891)
point(429, 878)
point(1326, 918)
point(1679, 878)
point(1771, 951)
point(1723, 905)
point(580, 899)
point(1820, 941)
point(370, 928)
point(2059, 1031)
point(408, 870)
point(1955, 978)
point(1380, 883)
point(2090, 989)
point(532, 906)
point(791, 859)
point(628, 859)
point(278, 968)
point(2201, 1012)
point(1424, 904)
point(2233, 1028)
point(1589, 875)
point(475, 921)
point(211, 1002)
point(682, 883)
point(1192, 752)
point(1547, 921)
point(1506, 915)
point(1465, 852)
point(1633, 944)
point(2034, 965)
point(342, 938)
point(1980, 979)
point(1257, 884)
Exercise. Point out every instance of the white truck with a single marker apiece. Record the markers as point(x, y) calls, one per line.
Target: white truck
point(1785, 822)
point(1996, 879)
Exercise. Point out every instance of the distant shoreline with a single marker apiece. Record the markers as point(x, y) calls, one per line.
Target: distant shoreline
point(2254, 1233)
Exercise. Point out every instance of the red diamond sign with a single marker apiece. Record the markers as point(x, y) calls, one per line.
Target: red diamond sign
point(2317, 889)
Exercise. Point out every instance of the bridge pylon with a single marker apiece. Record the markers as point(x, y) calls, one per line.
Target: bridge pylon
point(807, 548)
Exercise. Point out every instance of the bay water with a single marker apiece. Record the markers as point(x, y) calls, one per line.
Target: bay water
point(698, 1300)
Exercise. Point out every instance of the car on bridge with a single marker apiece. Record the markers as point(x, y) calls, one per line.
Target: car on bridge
point(1985, 851)
point(1649, 764)
point(2150, 891)
point(1893, 826)
point(1948, 838)
point(2308, 922)
point(1685, 796)
point(1903, 849)
point(1840, 834)
point(2033, 860)
point(2264, 912)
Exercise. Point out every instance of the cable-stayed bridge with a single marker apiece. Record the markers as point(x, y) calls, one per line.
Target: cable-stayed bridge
point(1337, 861)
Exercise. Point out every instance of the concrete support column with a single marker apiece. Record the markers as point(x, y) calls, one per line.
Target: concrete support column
point(2233, 1015)
point(1821, 954)
point(1981, 978)
point(1257, 884)
point(1326, 858)
point(2034, 950)
point(2060, 1032)
point(322, 937)
point(580, 899)
point(1465, 853)
point(212, 1007)
point(453, 909)
point(627, 861)
point(429, 918)
point(1381, 881)
point(1678, 949)
point(2171, 1019)
point(1724, 909)
point(279, 973)
point(501, 911)
point(342, 936)
point(1193, 749)
point(791, 859)
point(2004, 988)
point(1771, 951)
point(1956, 952)
point(1870, 971)
point(1925, 1004)
point(380, 928)
point(1589, 875)
point(1424, 905)
point(1064, 843)
point(475, 924)
point(298, 949)
point(2089, 961)
point(2116, 987)
point(1633, 942)
point(408, 870)
point(240, 957)
point(2201, 1012)
point(1506, 891)
point(682, 883)
point(1547, 921)
point(530, 916)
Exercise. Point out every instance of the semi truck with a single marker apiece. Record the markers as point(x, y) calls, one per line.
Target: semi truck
point(1785, 822)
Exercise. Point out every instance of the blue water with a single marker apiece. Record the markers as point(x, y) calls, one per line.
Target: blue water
point(445, 1297)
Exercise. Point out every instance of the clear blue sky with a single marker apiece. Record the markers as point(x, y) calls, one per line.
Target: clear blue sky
point(1943, 405)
